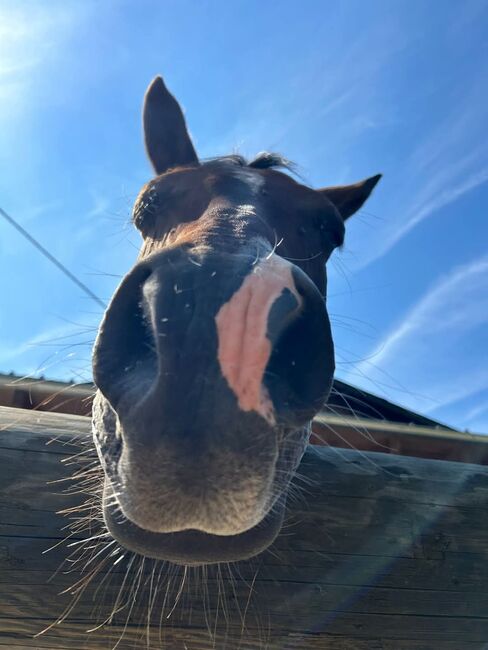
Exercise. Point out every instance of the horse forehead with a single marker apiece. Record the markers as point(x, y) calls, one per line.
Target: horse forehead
point(253, 179)
point(199, 177)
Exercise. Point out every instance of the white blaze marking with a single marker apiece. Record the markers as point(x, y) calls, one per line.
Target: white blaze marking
point(243, 346)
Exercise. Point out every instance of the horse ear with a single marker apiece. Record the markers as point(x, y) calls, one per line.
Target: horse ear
point(349, 198)
point(165, 135)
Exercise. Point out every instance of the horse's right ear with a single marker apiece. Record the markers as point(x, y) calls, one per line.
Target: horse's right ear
point(165, 135)
point(349, 198)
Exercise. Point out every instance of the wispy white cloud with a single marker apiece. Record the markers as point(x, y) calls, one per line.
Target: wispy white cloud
point(11, 349)
point(478, 410)
point(30, 35)
point(447, 164)
point(55, 348)
point(100, 206)
point(329, 101)
point(33, 212)
point(449, 188)
point(429, 349)
point(457, 301)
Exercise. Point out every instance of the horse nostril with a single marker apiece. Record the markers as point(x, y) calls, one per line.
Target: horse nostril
point(124, 356)
point(270, 332)
point(299, 373)
point(285, 309)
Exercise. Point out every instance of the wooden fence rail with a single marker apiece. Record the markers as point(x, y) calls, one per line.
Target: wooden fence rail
point(379, 552)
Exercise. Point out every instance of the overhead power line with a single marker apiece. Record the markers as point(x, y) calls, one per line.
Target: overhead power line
point(59, 265)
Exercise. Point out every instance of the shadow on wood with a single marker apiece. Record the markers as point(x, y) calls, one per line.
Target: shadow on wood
point(378, 552)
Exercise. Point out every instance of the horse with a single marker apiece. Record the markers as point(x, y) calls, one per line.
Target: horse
point(215, 351)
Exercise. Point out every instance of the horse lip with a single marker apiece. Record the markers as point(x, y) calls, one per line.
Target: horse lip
point(191, 547)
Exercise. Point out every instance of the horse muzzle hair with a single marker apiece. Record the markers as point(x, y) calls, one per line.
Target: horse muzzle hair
point(215, 352)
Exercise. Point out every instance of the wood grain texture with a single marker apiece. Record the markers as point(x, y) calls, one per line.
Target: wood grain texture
point(379, 552)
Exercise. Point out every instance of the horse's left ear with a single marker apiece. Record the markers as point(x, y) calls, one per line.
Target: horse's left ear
point(349, 198)
point(168, 143)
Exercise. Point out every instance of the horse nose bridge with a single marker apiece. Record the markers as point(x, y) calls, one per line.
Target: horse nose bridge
point(179, 303)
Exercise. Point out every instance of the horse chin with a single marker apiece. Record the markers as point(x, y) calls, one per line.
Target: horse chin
point(191, 547)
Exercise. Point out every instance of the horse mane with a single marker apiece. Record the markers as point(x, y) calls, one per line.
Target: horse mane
point(263, 160)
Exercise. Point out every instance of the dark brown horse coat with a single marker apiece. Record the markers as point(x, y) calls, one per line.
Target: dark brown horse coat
point(215, 352)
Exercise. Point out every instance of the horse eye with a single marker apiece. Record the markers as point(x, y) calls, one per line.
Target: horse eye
point(331, 236)
point(145, 210)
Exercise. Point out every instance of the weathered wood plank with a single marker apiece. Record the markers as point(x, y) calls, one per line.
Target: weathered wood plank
point(177, 638)
point(379, 552)
point(315, 600)
point(21, 559)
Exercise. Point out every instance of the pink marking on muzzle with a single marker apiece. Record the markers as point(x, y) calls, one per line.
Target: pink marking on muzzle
point(244, 349)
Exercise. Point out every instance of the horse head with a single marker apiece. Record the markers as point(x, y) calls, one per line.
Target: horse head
point(215, 351)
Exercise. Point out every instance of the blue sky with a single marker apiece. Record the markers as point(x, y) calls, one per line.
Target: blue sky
point(346, 89)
